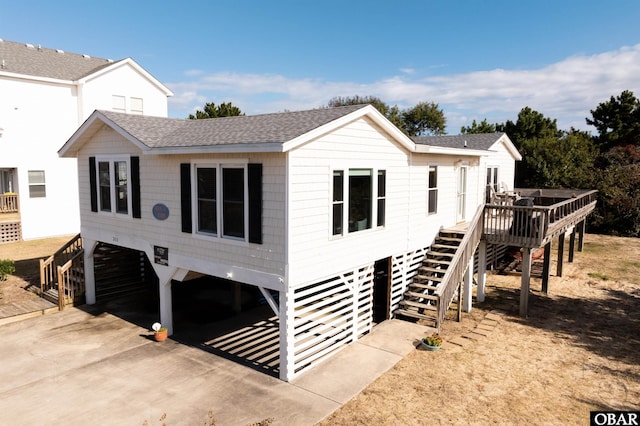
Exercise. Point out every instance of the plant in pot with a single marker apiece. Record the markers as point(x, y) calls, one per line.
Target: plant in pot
point(159, 332)
point(431, 343)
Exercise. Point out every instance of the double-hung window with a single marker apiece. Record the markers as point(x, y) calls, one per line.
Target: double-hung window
point(358, 201)
point(37, 187)
point(432, 196)
point(220, 194)
point(113, 185)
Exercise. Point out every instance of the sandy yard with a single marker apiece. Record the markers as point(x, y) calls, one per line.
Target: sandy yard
point(579, 349)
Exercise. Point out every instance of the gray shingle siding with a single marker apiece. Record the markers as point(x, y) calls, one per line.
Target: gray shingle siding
point(480, 141)
point(38, 61)
point(157, 132)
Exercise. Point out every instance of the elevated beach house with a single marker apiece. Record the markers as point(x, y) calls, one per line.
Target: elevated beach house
point(45, 94)
point(327, 212)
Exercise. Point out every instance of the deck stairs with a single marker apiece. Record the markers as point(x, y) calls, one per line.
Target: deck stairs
point(421, 299)
point(62, 275)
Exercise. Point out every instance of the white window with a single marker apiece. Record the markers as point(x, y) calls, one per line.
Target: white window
point(37, 184)
point(221, 200)
point(432, 202)
point(353, 206)
point(113, 185)
point(119, 104)
point(136, 106)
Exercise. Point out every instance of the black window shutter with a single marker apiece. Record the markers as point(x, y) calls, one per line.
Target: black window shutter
point(185, 196)
point(93, 185)
point(255, 203)
point(136, 209)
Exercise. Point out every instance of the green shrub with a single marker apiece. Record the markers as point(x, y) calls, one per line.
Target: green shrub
point(6, 268)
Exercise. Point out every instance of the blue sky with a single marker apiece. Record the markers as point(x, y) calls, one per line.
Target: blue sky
point(476, 59)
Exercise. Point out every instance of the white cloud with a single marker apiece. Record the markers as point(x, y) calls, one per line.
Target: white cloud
point(565, 90)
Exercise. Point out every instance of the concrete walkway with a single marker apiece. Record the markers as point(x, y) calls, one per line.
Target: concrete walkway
point(76, 367)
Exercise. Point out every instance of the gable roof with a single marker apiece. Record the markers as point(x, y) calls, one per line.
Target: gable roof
point(42, 63)
point(38, 61)
point(471, 141)
point(276, 132)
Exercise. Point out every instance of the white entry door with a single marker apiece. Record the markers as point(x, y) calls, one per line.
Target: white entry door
point(461, 210)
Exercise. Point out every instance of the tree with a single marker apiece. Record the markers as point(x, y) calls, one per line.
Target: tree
point(392, 113)
point(424, 119)
point(617, 121)
point(211, 110)
point(482, 127)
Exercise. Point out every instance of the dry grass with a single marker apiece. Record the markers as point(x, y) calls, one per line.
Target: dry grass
point(579, 350)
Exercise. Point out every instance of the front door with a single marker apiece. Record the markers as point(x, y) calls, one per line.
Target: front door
point(461, 209)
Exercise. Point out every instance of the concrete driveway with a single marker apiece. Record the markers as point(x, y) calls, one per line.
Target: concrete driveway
point(90, 367)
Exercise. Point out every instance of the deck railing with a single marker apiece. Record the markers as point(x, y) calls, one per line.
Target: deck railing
point(459, 264)
point(9, 203)
point(534, 226)
point(66, 259)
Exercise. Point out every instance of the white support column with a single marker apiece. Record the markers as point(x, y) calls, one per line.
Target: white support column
point(165, 274)
point(526, 279)
point(287, 367)
point(482, 270)
point(89, 272)
point(468, 287)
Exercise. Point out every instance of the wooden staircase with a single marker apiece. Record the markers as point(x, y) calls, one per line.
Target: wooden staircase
point(421, 299)
point(62, 275)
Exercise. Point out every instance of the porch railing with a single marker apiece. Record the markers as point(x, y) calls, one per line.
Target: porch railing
point(9, 203)
point(534, 226)
point(459, 264)
point(62, 272)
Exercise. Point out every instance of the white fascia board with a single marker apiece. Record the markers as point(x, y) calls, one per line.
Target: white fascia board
point(37, 78)
point(88, 128)
point(367, 110)
point(217, 149)
point(134, 65)
point(510, 147)
point(430, 149)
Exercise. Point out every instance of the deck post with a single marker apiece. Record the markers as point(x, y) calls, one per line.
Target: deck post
point(546, 265)
point(468, 287)
point(572, 244)
point(560, 255)
point(525, 281)
point(287, 330)
point(581, 229)
point(482, 270)
point(89, 272)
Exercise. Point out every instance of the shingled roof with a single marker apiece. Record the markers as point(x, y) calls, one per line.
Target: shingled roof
point(157, 132)
point(479, 141)
point(38, 61)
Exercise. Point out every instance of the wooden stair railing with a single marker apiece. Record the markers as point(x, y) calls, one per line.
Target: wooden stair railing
point(64, 271)
point(459, 264)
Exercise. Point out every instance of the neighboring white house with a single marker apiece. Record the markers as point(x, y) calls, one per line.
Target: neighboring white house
point(304, 203)
point(45, 94)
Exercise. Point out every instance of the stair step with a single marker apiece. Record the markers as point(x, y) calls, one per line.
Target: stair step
point(414, 314)
point(419, 295)
point(428, 278)
point(412, 303)
point(439, 254)
point(436, 262)
point(423, 286)
point(443, 247)
point(448, 239)
point(430, 269)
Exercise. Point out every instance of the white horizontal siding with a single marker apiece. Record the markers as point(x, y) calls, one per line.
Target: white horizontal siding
point(313, 253)
point(160, 183)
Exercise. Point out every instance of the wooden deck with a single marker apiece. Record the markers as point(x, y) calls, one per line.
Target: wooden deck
point(13, 312)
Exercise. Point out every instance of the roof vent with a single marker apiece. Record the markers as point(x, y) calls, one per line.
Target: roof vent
point(30, 46)
point(86, 56)
point(39, 47)
point(59, 51)
point(465, 143)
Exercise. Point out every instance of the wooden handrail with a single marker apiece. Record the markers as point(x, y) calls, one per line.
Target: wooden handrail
point(459, 264)
point(69, 284)
point(9, 203)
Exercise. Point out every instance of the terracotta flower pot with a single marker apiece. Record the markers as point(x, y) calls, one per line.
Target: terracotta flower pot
point(160, 335)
